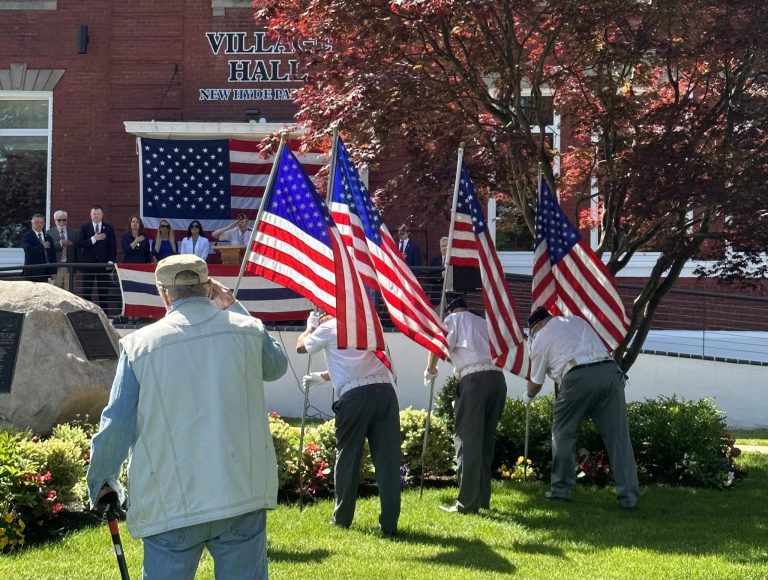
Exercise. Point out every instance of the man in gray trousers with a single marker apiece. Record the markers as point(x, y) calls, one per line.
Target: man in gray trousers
point(479, 404)
point(591, 385)
point(366, 407)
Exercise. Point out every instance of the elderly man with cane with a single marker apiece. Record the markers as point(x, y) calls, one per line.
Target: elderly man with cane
point(591, 385)
point(188, 404)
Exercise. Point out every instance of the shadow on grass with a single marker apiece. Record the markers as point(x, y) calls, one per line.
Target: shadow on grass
point(461, 552)
point(315, 556)
point(65, 523)
point(674, 520)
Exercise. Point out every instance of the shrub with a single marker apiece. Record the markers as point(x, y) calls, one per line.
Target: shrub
point(324, 435)
point(286, 441)
point(439, 458)
point(675, 441)
point(682, 442)
point(444, 402)
point(510, 435)
point(63, 459)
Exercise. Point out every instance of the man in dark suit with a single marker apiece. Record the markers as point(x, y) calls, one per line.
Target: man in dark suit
point(408, 248)
point(97, 245)
point(38, 249)
point(436, 276)
point(65, 243)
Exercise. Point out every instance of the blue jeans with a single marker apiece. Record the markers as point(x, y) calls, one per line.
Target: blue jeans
point(238, 546)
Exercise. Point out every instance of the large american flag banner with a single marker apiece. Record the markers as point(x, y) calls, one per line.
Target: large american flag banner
point(210, 180)
point(298, 245)
point(378, 259)
point(263, 299)
point(569, 278)
point(471, 245)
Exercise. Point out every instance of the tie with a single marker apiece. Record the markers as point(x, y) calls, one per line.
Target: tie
point(242, 238)
point(42, 241)
point(98, 228)
point(402, 246)
point(62, 237)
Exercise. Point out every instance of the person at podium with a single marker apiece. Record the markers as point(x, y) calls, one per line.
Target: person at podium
point(236, 234)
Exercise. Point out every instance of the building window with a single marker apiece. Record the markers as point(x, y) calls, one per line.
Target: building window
point(25, 145)
point(512, 234)
point(219, 6)
point(28, 4)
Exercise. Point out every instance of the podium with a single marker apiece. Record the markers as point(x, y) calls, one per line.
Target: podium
point(230, 254)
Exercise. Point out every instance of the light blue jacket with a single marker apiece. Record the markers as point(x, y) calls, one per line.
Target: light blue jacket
point(188, 400)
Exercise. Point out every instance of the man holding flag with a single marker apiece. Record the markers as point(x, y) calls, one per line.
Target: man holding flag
point(479, 348)
point(573, 349)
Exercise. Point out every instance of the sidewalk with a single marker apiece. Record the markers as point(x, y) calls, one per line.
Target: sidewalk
point(753, 448)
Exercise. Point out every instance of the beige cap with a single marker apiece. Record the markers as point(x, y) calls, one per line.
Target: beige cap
point(169, 268)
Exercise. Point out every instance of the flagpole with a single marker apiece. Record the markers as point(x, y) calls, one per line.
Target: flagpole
point(332, 169)
point(264, 203)
point(441, 308)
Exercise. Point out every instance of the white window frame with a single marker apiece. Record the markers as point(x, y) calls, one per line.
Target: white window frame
point(14, 256)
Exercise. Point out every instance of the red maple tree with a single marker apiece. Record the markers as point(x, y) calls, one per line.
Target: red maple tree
point(665, 102)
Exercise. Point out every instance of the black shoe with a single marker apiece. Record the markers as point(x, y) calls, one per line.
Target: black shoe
point(337, 524)
point(389, 533)
point(550, 495)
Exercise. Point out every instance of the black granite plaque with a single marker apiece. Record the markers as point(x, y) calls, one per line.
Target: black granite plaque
point(10, 332)
point(92, 335)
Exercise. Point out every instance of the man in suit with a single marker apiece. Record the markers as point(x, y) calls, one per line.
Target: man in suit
point(97, 245)
point(408, 248)
point(65, 243)
point(38, 249)
point(436, 277)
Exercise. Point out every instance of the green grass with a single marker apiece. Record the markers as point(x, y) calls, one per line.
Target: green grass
point(750, 436)
point(676, 533)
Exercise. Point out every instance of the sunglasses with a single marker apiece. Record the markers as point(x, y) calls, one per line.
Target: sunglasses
point(61, 219)
point(165, 226)
point(195, 226)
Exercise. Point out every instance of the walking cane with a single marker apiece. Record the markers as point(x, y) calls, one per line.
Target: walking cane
point(109, 505)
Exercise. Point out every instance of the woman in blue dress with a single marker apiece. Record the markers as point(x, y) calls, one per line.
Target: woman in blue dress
point(164, 244)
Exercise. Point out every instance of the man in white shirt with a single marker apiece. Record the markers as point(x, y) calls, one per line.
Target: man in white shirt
point(480, 398)
point(366, 407)
point(591, 384)
point(237, 233)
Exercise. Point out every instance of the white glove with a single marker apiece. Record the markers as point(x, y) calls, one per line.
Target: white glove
point(429, 377)
point(313, 379)
point(527, 399)
point(313, 320)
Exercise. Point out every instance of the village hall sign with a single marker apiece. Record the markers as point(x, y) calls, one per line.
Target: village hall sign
point(254, 58)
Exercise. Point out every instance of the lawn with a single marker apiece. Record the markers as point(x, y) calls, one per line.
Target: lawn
point(750, 436)
point(675, 533)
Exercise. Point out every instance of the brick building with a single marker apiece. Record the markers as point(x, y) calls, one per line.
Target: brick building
point(80, 79)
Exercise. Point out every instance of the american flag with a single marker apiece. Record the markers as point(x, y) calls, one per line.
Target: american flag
point(263, 298)
point(298, 245)
point(471, 245)
point(569, 278)
point(211, 181)
point(378, 259)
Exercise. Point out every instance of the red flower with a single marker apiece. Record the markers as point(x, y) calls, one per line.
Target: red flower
point(57, 507)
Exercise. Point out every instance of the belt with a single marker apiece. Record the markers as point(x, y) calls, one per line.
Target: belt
point(574, 364)
point(477, 368)
point(369, 380)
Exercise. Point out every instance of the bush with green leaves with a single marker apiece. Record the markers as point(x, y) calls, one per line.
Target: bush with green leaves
point(676, 442)
point(439, 458)
point(682, 442)
point(286, 441)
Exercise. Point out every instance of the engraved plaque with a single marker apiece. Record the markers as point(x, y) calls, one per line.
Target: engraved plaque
point(10, 332)
point(92, 335)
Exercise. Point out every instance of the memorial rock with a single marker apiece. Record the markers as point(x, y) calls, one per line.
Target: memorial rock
point(58, 355)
